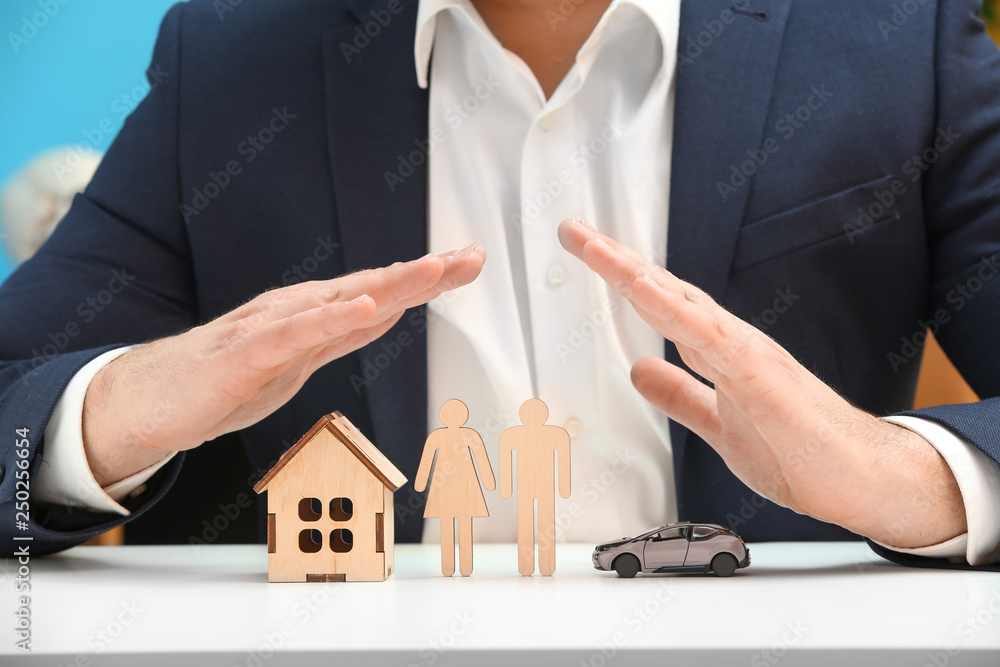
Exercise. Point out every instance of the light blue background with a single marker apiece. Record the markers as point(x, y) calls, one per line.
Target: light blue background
point(65, 80)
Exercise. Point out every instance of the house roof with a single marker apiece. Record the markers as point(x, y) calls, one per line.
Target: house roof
point(342, 429)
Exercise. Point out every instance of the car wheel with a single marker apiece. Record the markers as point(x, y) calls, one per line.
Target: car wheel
point(724, 565)
point(626, 566)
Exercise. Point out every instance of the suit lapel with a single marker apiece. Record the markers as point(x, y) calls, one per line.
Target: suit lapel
point(377, 117)
point(724, 87)
point(375, 114)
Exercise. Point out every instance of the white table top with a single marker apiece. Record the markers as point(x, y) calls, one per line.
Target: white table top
point(213, 606)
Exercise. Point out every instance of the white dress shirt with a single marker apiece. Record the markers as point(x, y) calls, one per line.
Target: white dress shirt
point(508, 165)
point(537, 322)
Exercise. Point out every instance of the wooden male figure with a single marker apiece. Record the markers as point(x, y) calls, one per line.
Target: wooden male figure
point(536, 444)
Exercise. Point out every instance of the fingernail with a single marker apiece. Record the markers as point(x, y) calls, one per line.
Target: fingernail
point(469, 250)
point(584, 224)
point(361, 299)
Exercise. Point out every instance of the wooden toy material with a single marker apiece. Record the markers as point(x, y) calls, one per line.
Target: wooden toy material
point(537, 446)
point(330, 510)
point(455, 491)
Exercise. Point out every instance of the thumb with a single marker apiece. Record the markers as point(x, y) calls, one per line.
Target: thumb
point(680, 396)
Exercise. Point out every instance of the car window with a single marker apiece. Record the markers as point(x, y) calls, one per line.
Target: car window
point(670, 534)
point(704, 532)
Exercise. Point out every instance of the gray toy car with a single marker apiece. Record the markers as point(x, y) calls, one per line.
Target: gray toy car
point(675, 547)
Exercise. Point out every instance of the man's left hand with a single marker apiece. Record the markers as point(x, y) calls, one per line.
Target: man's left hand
point(779, 428)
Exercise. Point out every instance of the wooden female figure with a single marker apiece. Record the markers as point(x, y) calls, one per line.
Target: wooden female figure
point(455, 491)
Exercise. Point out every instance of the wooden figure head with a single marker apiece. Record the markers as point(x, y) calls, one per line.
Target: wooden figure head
point(454, 413)
point(533, 412)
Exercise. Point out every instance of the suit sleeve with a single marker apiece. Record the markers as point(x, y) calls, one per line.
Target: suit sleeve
point(961, 187)
point(117, 271)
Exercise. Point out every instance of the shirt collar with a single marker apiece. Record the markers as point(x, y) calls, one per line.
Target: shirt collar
point(661, 13)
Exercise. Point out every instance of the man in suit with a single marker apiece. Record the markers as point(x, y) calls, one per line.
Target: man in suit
point(850, 150)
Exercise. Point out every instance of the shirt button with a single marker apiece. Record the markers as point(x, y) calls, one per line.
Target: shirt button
point(547, 122)
point(574, 427)
point(556, 275)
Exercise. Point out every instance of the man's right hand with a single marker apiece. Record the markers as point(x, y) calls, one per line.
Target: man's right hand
point(239, 368)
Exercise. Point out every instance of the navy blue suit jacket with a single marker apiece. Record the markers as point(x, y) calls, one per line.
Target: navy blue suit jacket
point(834, 161)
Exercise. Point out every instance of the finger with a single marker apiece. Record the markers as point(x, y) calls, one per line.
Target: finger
point(393, 284)
point(680, 396)
point(279, 343)
point(678, 310)
point(763, 377)
point(280, 303)
point(393, 288)
point(695, 362)
point(574, 234)
point(387, 286)
point(403, 286)
point(619, 265)
point(725, 342)
point(266, 301)
point(709, 414)
point(354, 341)
point(461, 268)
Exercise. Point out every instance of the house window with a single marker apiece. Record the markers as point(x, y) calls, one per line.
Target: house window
point(310, 541)
point(310, 509)
point(341, 509)
point(341, 540)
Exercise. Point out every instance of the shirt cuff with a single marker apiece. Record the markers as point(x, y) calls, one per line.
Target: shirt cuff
point(65, 477)
point(978, 478)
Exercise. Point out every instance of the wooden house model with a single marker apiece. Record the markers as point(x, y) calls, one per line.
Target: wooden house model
point(329, 507)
